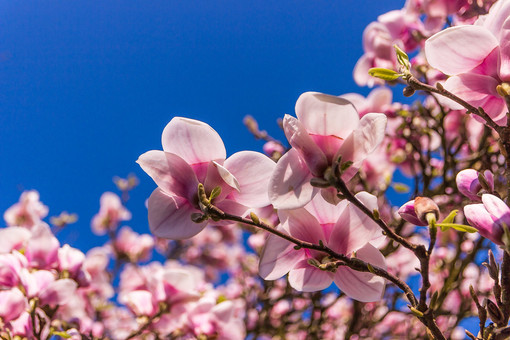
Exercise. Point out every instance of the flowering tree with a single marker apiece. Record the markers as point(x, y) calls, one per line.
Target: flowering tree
point(315, 207)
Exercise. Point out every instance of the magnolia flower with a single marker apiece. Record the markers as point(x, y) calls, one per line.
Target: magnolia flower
point(478, 59)
point(12, 304)
point(415, 211)
point(468, 183)
point(343, 228)
point(194, 153)
point(27, 212)
point(111, 212)
point(489, 217)
point(326, 128)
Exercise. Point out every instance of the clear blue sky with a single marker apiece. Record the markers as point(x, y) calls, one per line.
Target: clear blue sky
point(87, 86)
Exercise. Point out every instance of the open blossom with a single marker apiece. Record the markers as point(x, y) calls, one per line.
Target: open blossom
point(489, 217)
point(468, 182)
point(395, 27)
point(326, 128)
point(478, 59)
point(27, 212)
point(111, 213)
point(194, 153)
point(134, 246)
point(343, 228)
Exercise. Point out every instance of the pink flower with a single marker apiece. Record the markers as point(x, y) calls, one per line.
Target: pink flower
point(343, 228)
point(326, 128)
point(133, 245)
point(415, 211)
point(469, 185)
point(42, 248)
point(70, 259)
point(111, 213)
point(140, 302)
point(489, 217)
point(11, 266)
point(194, 153)
point(12, 304)
point(395, 27)
point(27, 212)
point(478, 59)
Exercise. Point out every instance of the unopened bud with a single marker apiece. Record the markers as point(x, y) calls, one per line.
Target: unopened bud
point(493, 267)
point(495, 313)
point(198, 217)
point(423, 206)
point(408, 91)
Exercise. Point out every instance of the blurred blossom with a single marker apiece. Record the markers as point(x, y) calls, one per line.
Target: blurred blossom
point(111, 213)
point(29, 211)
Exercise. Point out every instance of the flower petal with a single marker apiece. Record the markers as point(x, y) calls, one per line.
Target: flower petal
point(362, 286)
point(302, 225)
point(497, 208)
point(192, 140)
point(459, 49)
point(170, 216)
point(227, 176)
point(253, 171)
point(170, 172)
point(300, 140)
point(323, 211)
point(354, 228)
point(362, 141)
point(289, 186)
point(278, 257)
point(495, 19)
point(478, 217)
point(326, 115)
point(306, 278)
point(504, 44)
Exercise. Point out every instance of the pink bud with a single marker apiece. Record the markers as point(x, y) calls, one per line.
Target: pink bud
point(424, 206)
point(416, 211)
point(271, 147)
point(472, 183)
point(408, 213)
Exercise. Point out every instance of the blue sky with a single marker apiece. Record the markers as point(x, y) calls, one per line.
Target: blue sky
point(87, 86)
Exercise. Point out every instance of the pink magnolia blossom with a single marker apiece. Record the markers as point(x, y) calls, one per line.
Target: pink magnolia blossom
point(194, 153)
point(42, 248)
point(489, 217)
point(70, 259)
point(134, 246)
point(11, 266)
point(12, 304)
point(326, 128)
point(478, 59)
point(415, 211)
point(468, 183)
point(140, 302)
point(27, 212)
point(13, 238)
point(111, 213)
point(395, 27)
point(343, 228)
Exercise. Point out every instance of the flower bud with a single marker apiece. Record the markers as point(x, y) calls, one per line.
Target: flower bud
point(494, 312)
point(472, 183)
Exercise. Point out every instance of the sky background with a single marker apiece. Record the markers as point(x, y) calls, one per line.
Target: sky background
point(88, 86)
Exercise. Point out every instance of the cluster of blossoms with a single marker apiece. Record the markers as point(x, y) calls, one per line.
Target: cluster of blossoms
point(251, 244)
